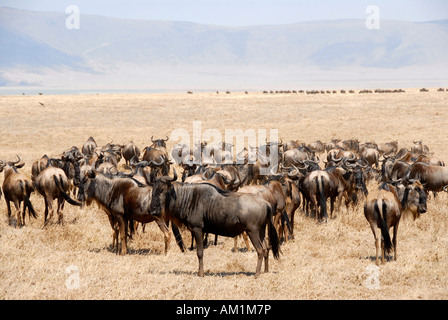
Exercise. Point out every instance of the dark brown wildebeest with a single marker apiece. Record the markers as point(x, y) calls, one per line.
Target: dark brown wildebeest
point(205, 208)
point(52, 183)
point(434, 178)
point(17, 187)
point(319, 185)
point(88, 149)
point(124, 200)
point(129, 151)
point(384, 208)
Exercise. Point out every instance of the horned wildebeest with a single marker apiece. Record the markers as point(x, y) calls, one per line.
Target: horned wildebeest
point(17, 187)
point(434, 178)
point(158, 159)
point(388, 148)
point(88, 149)
point(371, 155)
point(419, 148)
point(430, 160)
point(355, 180)
point(295, 156)
point(38, 166)
point(129, 151)
point(52, 183)
point(383, 209)
point(123, 200)
point(273, 193)
point(318, 185)
point(205, 208)
point(141, 172)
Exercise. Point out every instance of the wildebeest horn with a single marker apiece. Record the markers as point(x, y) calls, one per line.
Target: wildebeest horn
point(166, 138)
point(366, 163)
point(15, 162)
point(155, 163)
point(168, 178)
point(152, 139)
point(334, 159)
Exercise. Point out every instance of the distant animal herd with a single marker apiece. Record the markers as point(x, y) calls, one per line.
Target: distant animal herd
point(219, 195)
point(333, 91)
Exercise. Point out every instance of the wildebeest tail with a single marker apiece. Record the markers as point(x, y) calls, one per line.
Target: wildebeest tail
point(322, 197)
point(59, 182)
point(272, 232)
point(25, 192)
point(381, 211)
point(178, 237)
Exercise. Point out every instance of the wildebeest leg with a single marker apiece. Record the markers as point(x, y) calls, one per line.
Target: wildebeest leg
point(50, 206)
point(166, 233)
point(254, 236)
point(198, 235)
point(46, 211)
point(60, 213)
point(8, 205)
point(122, 233)
point(394, 241)
point(246, 241)
point(332, 199)
point(19, 219)
point(377, 238)
point(114, 232)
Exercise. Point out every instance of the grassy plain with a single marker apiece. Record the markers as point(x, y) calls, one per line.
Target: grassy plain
point(330, 261)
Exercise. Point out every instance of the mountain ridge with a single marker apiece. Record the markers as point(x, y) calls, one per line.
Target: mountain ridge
point(114, 47)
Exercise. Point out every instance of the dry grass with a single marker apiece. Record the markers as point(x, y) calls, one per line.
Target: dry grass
point(330, 261)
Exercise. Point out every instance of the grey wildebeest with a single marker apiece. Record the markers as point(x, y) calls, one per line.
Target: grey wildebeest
point(384, 208)
point(17, 187)
point(124, 200)
point(203, 208)
point(52, 183)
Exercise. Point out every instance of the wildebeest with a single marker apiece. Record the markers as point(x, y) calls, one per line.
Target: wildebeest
point(419, 148)
point(205, 208)
point(88, 149)
point(433, 177)
point(52, 183)
point(124, 200)
point(384, 208)
point(129, 151)
point(17, 187)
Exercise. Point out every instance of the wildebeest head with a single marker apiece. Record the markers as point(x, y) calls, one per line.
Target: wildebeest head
point(86, 187)
point(159, 142)
point(11, 164)
point(414, 199)
point(162, 192)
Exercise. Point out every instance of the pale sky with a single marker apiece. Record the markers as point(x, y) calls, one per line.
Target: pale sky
point(244, 12)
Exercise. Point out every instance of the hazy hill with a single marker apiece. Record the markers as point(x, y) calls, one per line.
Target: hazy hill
point(38, 48)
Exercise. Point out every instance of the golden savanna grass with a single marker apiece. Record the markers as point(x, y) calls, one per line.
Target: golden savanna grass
point(325, 261)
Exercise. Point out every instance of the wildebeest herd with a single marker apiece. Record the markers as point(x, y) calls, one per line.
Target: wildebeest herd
point(224, 193)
